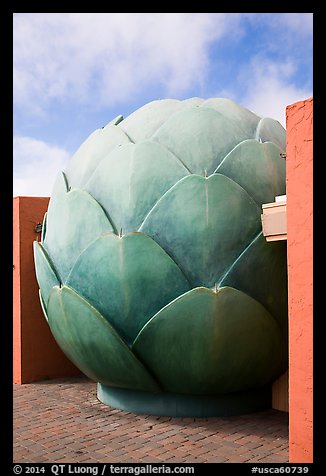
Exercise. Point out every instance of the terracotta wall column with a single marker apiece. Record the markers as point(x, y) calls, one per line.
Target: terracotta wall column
point(299, 191)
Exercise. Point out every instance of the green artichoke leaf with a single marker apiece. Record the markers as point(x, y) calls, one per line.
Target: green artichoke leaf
point(100, 143)
point(200, 137)
point(115, 121)
point(46, 274)
point(271, 130)
point(204, 224)
point(236, 113)
point(137, 175)
point(260, 271)
point(258, 168)
point(128, 279)
point(206, 343)
point(145, 121)
point(74, 218)
point(92, 344)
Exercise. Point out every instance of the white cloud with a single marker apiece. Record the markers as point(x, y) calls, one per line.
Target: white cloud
point(108, 58)
point(36, 165)
point(270, 88)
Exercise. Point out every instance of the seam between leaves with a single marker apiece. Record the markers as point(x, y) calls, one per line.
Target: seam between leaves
point(49, 260)
point(100, 160)
point(238, 258)
point(106, 214)
point(173, 153)
point(228, 154)
point(84, 249)
point(108, 324)
point(157, 201)
point(128, 136)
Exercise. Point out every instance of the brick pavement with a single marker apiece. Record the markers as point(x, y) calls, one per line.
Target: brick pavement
point(61, 421)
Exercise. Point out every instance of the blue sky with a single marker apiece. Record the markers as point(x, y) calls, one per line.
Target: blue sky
point(74, 72)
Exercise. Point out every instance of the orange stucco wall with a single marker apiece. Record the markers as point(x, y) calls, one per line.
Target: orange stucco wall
point(299, 192)
point(36, 354)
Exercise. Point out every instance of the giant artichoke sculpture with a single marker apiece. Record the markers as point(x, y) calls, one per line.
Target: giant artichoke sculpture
point(154, 275)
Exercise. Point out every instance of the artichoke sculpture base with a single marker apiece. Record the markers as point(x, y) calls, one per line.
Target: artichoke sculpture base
point(177, 405)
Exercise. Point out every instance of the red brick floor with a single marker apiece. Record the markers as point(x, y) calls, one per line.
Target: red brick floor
point(62, 421)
